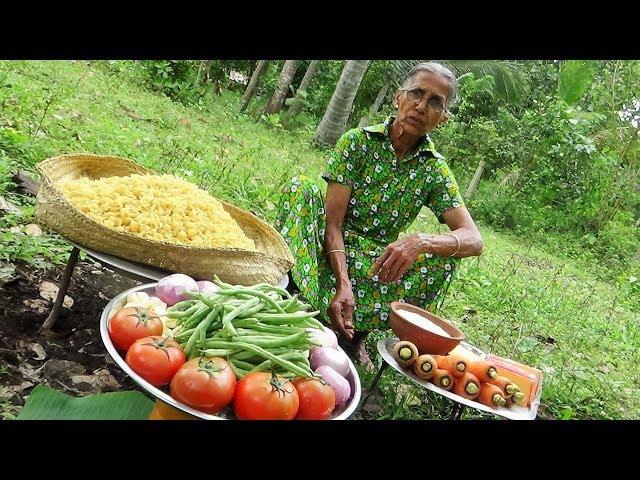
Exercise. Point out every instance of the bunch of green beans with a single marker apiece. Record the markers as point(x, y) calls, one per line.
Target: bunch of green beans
point(257, 328)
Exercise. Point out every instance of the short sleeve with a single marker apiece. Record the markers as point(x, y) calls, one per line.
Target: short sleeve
point(342, 166)
point(444, 193)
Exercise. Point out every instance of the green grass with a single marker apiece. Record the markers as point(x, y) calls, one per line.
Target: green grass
point(517, 300)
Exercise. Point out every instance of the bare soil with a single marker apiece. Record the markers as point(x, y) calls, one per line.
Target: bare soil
point(70, 356)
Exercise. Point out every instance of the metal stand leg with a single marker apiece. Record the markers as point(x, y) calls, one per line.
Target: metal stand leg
point(374, 384)
point(456, 412)
point(64, 286)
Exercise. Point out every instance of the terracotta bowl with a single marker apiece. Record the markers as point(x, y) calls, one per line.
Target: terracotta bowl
point(423, 339)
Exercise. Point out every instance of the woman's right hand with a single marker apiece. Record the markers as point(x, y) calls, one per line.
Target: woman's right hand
point(341, 311)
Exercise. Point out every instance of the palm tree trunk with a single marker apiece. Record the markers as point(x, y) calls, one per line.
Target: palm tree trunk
point(376, 105)
point(284, 81)
point(337, 114)
point(296, 106)
point(473, 186)
point(253, 84)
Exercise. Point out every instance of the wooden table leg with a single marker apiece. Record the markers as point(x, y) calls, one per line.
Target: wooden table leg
point(374, 384)
point(64, 286)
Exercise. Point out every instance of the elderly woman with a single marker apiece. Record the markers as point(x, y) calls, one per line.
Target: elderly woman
point(351, 261)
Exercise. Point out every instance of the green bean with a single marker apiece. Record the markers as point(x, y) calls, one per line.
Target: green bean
point(254, 332)
point(267, 286)
point(220, 283)
point(315, 322)
point(219, 352)
point(195, 336)
point(245, 322)
point(248, 355)
point(181, 306)
point(272, 342)
point(284, 319)
point(238, 371)
point(257, 294)
point(277, 329)
point(183, 334)
point(268, 363)
point(226, 320)
point(186, 314)
point(241, 364)
point(215, 326)
point(289, 366)
point(197, 317)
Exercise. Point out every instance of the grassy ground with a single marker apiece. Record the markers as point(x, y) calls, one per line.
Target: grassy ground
point(516, 300)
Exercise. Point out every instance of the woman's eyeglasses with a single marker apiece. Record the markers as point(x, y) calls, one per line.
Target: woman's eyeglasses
point(416, 95)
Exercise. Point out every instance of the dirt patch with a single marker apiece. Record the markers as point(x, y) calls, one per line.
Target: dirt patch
point(71, 356)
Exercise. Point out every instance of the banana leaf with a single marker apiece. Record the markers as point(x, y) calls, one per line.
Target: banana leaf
point(45, 403)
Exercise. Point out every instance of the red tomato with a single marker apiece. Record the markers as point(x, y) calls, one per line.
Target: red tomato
point(156, 359)
point(206, 384)
point(317, 399)
point(133, 323)
point(265, 396)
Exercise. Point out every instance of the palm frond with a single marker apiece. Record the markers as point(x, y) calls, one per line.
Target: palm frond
point(509, 78)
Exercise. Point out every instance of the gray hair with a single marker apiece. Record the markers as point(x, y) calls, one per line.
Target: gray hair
point(438, 69)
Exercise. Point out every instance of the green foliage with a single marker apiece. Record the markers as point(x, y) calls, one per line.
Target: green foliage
point(575, 77)
point(556, 287)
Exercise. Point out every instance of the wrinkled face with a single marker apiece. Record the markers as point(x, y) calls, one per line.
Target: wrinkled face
point(421, 103)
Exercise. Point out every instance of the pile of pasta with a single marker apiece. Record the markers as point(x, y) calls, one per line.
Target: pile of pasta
point(157, 207)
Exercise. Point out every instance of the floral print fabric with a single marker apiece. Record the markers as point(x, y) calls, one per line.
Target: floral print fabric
point(386, 196)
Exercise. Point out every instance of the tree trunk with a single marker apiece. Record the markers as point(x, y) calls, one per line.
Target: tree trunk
point(473, 186)
point(284, 81)
point(376, 105)
point(253, 84)
point(336, 116)
point(296, 106)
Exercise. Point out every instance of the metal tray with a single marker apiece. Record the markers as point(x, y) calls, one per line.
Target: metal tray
point(139, 270)
point(342, 412)
point(385, 347)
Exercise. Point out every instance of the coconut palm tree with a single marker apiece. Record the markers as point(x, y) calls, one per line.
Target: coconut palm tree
point(253, 84)
point(296, 105)
point(509, 85)
point(284, 81)
point(382, 94)
point(336, 115)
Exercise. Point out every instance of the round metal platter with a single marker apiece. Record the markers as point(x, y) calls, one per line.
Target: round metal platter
point(341, 412)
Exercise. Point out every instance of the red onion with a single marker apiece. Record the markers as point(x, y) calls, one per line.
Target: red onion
point(340, 385)
point(172, 289)
point(333, 340)
point(322, 337)
point(205, 286)
point(327, 356)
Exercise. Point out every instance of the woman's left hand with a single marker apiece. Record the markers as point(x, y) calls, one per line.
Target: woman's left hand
point(397, 258)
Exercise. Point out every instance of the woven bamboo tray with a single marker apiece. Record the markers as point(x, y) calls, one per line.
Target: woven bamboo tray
point(269, 263)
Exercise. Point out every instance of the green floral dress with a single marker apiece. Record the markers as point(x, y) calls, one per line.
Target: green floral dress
point(386, 196)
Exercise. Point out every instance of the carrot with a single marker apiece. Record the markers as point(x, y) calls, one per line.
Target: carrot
point(517, 398)
point(467, 386)
point(425, 367)
point(454, 364)
point(507, 386)
point(405, 353)
point(491, 396)
point(482, 369)
point(442, 379)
